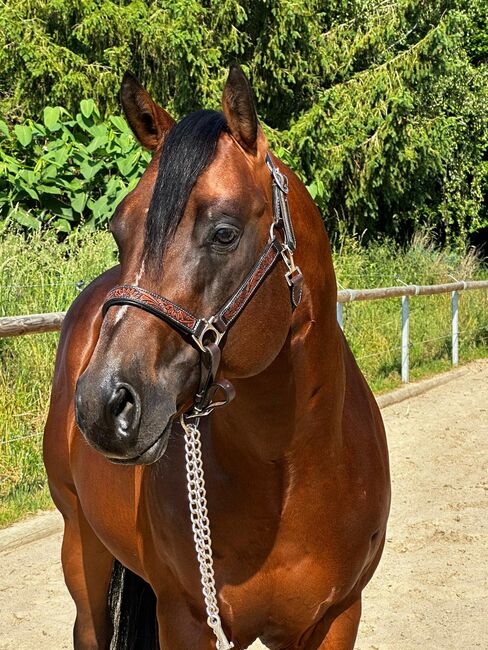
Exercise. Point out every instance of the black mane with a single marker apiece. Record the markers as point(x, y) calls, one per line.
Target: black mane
point(187, 151)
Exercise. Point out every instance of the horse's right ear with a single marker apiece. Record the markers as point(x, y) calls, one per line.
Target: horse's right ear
point(148, 121)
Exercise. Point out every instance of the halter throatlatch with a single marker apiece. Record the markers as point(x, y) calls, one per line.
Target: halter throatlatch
point(206, 335)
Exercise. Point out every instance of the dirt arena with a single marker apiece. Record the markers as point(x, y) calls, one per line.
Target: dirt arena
point(430, 591)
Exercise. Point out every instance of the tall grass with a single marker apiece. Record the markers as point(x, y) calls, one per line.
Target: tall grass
point(38, 274)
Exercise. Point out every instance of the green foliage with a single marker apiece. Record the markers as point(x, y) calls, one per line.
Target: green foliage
point(380, 106)
point(67, 170)
point(477, 32)
point(398, 132)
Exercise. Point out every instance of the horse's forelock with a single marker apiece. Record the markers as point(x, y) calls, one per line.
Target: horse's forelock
point(187, 151)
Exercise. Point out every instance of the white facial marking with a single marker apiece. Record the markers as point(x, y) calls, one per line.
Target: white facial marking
point(139, 274)
point(122, 310)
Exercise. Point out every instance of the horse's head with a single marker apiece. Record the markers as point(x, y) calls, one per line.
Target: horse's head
point(191, 231)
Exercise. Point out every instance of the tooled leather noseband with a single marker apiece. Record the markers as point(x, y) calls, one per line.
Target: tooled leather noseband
point(206, 334)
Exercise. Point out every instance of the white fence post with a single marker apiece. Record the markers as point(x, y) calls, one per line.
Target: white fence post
point(405, 339)
point(340, 315)
point(455, 327)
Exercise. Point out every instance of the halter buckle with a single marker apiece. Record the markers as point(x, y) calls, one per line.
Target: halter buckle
point(280, 179)
point(293, 276)
point(290, 275)
point(287, 256)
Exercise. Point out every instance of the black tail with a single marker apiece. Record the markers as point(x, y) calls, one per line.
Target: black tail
point(132, 606)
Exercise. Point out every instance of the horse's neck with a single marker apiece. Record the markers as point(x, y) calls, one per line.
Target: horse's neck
point(294, 407)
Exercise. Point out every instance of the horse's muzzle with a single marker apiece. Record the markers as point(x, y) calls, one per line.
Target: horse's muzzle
point(119, 422)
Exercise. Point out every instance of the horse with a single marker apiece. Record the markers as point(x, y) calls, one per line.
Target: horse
point(225, 289)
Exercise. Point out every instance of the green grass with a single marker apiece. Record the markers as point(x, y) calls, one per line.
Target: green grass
point(373, 328)
point(38, 275)
point(22, 502)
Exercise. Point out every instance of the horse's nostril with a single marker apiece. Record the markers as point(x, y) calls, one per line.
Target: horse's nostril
point(123, 406)
point(127, 409)
point(121, 400)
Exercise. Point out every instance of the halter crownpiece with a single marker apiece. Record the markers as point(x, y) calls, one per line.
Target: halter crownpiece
point(206, 335)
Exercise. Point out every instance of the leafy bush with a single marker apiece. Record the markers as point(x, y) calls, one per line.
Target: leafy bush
point(68, 169)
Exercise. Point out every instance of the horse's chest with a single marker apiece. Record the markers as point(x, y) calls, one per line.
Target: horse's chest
point(281, 602)
point(307, 564)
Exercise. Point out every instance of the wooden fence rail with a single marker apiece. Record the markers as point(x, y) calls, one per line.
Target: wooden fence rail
point(351, 295)
point(36, 323)
point(31, 324)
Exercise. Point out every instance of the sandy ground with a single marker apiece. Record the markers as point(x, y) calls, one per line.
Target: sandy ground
point(430, 591)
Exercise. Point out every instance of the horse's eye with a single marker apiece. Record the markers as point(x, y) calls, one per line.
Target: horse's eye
point(225, 236)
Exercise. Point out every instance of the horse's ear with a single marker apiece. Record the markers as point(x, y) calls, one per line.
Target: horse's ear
point(148, 121)
point(239, 109)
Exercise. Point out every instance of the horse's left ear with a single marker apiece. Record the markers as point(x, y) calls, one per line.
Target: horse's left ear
point(239, 109)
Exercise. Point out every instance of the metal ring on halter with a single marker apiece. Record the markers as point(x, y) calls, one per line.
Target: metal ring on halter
point(209, 327)
point(272, 230)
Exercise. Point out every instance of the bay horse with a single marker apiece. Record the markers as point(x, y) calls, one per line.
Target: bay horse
point(296, 464)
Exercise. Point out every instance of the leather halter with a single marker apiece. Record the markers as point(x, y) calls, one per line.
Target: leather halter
point(206, 334)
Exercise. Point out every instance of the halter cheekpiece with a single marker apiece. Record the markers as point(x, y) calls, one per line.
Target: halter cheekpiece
point(206, 334)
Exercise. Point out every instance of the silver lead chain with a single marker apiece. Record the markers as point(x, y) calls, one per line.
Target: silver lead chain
point(197, 498)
